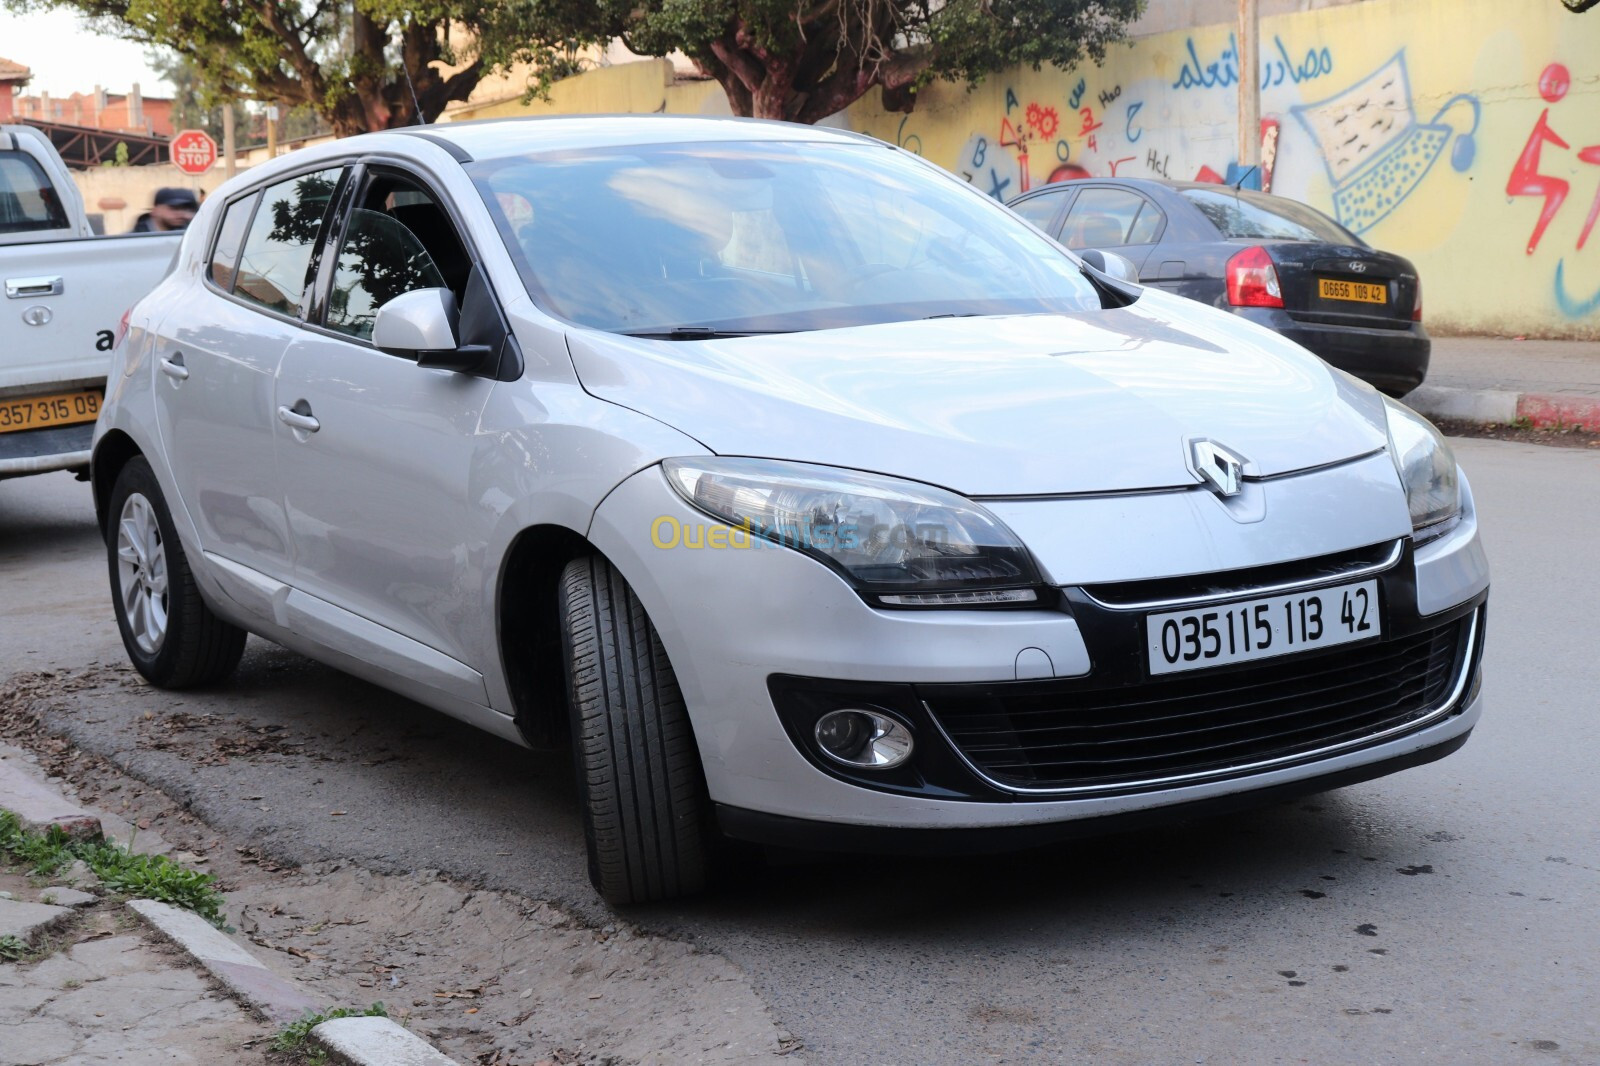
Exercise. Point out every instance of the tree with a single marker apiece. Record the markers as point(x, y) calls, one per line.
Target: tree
point(804, 60)
point(345, 59)
point(196, 104)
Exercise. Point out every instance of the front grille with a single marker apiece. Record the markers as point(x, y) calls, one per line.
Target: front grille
point(1070, 735)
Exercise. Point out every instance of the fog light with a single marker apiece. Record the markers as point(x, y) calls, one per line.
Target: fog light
point(864, 739)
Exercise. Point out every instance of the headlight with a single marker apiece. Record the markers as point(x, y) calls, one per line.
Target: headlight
point(901, 543)
point(1427, 470)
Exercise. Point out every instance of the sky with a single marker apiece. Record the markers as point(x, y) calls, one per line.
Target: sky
point(66, 58)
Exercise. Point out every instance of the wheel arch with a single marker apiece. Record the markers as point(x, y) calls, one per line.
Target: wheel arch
point(530, 629)
point(111, 454)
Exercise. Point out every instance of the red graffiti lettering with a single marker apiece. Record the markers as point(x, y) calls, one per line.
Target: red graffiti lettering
point(1526, 180)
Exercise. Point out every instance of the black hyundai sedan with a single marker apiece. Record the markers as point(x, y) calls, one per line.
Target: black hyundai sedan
point(1272, 260)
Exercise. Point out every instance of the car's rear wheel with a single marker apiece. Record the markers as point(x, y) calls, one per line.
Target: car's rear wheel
point(171, 635)
point(645, 810)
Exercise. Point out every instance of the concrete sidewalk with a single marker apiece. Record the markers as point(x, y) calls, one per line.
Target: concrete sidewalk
point(1502, 380)
point(88, 978)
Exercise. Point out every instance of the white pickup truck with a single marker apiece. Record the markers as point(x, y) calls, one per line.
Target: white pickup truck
point(66, 295)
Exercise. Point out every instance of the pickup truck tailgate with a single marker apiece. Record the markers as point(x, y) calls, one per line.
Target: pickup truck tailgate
point(63, 301)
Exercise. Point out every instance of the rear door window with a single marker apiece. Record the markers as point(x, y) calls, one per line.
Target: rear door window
point(274, 264)
point(27, 200)
point(1111, 218)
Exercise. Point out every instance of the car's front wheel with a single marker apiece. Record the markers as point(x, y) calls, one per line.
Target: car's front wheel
point(171, 635)
point(645, 811)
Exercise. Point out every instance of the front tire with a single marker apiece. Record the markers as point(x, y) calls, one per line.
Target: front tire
point(645, 810)
point(171, 636)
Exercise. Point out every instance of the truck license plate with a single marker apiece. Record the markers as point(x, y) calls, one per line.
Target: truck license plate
point(1262, 628)
point(55, 409)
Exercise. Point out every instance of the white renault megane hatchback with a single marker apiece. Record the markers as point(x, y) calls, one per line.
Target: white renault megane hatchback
point(812, 497)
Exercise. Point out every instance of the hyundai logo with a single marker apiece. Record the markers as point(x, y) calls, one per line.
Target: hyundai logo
point(1357, 267)
point(1219, 468)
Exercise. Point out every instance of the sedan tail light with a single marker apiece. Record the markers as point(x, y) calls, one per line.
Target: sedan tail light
point(1253, 280)
point(1416, 308)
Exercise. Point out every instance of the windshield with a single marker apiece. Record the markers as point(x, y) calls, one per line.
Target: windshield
point(686, 239)
point(1267, 218)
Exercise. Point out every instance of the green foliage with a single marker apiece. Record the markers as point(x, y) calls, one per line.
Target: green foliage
point(120, 871)
point(801, 60)
point(42, 854)
point(12, 948)
point(292, 1038)
point(346, 60)
point(806, 59)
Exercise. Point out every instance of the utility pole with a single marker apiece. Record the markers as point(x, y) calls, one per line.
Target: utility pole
point(229, 165)
point(1249, 84)
point(272, 131)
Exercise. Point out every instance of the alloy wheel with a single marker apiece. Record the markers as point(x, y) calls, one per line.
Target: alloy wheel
point(142, 573)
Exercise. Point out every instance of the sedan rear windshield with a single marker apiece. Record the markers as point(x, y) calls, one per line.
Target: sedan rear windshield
point(1266, 218)
point(690, 240)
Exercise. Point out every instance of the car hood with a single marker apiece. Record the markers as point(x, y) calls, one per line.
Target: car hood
point(1091, 402)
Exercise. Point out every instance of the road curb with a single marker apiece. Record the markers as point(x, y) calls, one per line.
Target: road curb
point(1497, 407)
point(245, 977)
point(38, 807)
point(377, 1042)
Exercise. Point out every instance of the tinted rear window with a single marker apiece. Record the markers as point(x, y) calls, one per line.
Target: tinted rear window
point(27, 201)
point(1267, 218)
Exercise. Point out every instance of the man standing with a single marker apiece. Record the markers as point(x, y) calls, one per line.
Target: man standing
point(173, 209)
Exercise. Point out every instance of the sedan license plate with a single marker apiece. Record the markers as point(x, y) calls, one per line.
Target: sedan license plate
point(1262, 628)
point(42, 412)
point(1357, 291)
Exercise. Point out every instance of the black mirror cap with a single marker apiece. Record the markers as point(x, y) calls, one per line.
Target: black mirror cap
point(477, 359)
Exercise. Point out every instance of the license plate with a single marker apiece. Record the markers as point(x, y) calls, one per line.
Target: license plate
point(42, 412)
point(1358, 291)
point(1262, 628)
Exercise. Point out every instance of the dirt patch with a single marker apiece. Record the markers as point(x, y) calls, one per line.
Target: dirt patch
point(490, 977)
point(1565, 437)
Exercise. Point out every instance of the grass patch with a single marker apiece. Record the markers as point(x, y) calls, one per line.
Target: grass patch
point(121, 871)
point(295, 1038)
point(12, 949)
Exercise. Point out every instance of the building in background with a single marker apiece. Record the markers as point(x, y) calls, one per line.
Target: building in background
point(13, 76)
point(132, 112)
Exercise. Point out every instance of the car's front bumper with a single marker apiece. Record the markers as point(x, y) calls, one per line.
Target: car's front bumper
point(734, 618)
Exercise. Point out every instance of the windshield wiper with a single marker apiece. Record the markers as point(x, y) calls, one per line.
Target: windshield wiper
point(701, 333)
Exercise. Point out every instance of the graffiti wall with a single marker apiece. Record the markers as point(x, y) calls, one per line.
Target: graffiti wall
point(1464, 134)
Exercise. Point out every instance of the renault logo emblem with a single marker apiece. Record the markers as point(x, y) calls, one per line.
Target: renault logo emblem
point(1219, 468)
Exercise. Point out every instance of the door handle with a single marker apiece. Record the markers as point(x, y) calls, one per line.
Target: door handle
point(298, 420)
point(173, 367)
point(28, 288)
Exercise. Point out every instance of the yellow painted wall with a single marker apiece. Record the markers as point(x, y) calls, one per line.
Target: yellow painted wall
point(628, 88)
point(1445, 96)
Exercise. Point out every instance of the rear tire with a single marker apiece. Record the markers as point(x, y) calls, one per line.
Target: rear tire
point(645, 809)
point(170, 634)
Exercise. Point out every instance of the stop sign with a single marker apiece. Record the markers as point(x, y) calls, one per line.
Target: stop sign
point(193, 151)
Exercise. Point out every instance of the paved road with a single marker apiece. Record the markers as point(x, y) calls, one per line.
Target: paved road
point(1447, 914)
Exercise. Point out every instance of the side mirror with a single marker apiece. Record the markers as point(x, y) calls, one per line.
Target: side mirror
point(1111, 265)
point(421, 325)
